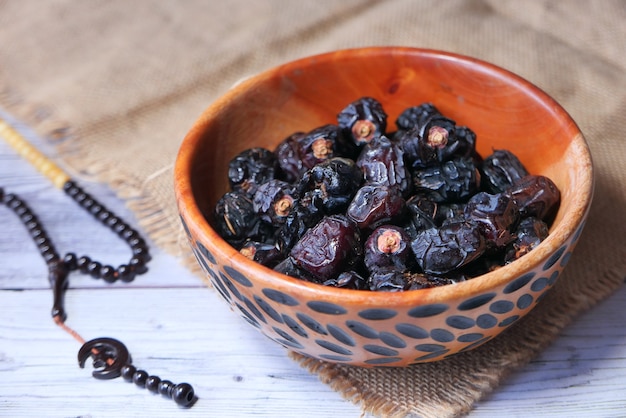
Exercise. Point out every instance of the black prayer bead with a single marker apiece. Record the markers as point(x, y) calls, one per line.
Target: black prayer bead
point(87, 202)
point(50, 256)
point(93, 269)
point(140, 377)
point(83, 264)
point(31, 224)
point(128, 233)
point(137, 242)
point(138, 264)
point(95, 209)
point(29, 218)
point(104, 215)
point(152, 383)
point(21, 210)
point(70, 261)
point(107, 273)
point(40, 240)
point(126, 273)
point(183, 394)
point(80, 197)
point(112, 221)
point(11, 200)
point(70, 188)
point(120, 228)
point(142, 254)
point(128, 371)
point(166, 387)
point(38, 232)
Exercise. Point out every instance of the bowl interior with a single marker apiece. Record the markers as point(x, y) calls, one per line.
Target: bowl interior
point(505, 111)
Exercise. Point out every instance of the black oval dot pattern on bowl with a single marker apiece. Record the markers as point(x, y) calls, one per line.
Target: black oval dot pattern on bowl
point(335, 358)
point(295, 326)
point(361, 329)
point(246, 315)
point(383, 361)
point(502, 307)
point(486, 321)
point(471, 337)
point(380, 336)
point(476, 301)
point(255, 311)
point(392, 340)
point(380, 350)
point(238, 277)
point(327, 308)
point(540, 284)
point(311, 323)
point(221, 290)
point(508, 321)
point(377, 314)
point(280, 297)
point(518, 283)
point(428, 310)
point(460, 322)
point(340, 335)
point(206, 253)
point(287, 339)
point(554, 258)
point(267, 308)
point(441, 335)
point(230, 286)
point(412, 331)
point(577, 233)
point(336, 348)
point(524, 301)
point(202, 261)
point(475, 344)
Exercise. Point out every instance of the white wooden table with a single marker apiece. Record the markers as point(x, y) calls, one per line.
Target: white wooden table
point(178, 329)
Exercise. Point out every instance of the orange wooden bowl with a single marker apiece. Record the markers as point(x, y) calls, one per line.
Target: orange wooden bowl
point(367, 328)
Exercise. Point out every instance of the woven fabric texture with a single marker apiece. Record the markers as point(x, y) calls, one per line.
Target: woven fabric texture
point(116, 85)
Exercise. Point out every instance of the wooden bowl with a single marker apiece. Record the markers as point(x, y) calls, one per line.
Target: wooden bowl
point(379, 328)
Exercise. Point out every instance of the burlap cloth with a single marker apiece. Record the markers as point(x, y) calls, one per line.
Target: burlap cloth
point(116, 85)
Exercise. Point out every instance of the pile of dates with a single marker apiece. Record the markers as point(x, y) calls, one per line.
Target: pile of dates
point(356, 205)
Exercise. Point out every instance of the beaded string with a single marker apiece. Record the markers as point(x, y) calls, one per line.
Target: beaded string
point(110, 357)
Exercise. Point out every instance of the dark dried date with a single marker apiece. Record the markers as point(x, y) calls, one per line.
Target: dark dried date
point(251, 168)
point(374, 205)
point(501, 170)
point(496, 214)
point(451, 182)
point(333, 183)
point(530, 233)
point(329, 248)
point(382, 163)
point(363, 120)
point(236, 219)
point(388, 248)
point(441, 250)
point(536, 196)
point(318, 145)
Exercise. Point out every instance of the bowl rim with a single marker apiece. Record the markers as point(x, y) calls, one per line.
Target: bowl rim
point(568, 225)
